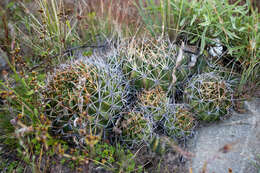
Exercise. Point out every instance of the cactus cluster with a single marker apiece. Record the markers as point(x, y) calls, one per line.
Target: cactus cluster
point(174, 120)
point(130, 94)
point(83, 98)
point(209, 95)
point(150, 69)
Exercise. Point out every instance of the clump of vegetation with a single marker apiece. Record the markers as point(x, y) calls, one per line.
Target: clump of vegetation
point(141, 93)
point(172, 119)
point(229, 23)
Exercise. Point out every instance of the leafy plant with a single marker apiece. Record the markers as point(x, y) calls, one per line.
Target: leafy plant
point(114, 158)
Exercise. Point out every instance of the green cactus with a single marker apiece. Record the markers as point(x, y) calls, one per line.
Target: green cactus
point(209, 95)
point(135, 128)
point(180, 123)
point(150, 66)
point(83, 98)
point(164, 65)
point(153, 102)
point(175, 120)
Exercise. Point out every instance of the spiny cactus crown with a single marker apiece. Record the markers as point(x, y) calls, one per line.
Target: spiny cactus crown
point(83, 98)
point(150, 65)
point(209, 95)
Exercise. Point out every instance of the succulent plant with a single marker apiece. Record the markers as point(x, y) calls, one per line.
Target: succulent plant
point(209, 95)
point(86, 98)
point(153, 102)
point(150, 66)
point(134, 128)
point(83, 98)
point(180, 123)
point(174, 120)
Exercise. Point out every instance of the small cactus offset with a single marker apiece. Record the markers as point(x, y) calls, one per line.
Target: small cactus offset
point(180, 123)
point(209, 95)
point(134, 128)
point(153, 101)
point(83, 99)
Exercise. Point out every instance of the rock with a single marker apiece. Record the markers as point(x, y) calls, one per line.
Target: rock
point(230, 145)
point(217, 49)
point(4, 67)
point(3, 63)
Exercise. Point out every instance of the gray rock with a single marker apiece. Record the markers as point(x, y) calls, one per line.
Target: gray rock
point(232, 144)
point(3, 63)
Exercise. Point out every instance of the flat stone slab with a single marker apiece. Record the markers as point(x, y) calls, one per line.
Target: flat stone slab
point(232, 145)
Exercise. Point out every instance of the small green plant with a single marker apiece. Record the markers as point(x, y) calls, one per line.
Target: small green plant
point(126, 162)
point(104, 153)
point(11, 167)
point(114, 158)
